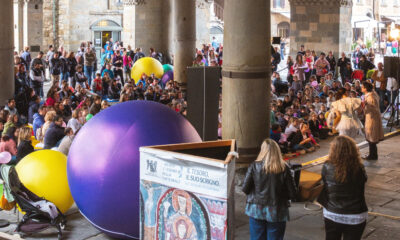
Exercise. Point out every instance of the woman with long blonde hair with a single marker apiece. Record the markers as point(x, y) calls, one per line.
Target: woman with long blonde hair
point(269, 186)
point(24, 143)
point(345, 210)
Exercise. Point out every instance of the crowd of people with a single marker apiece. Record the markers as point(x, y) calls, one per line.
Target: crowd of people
point(317, 100)
point(80, 87)
point(317, 103)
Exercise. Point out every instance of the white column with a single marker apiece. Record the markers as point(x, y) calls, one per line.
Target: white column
point(129, 19)
point(19, 25)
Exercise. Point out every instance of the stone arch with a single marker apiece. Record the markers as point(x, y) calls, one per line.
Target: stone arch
point(283, 29)
point(217, 32)
point(105, 24)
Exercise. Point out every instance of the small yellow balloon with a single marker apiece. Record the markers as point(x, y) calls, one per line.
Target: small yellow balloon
point(44, 173)
point(148, 66)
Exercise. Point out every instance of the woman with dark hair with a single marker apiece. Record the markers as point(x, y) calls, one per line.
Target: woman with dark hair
point(365, 65)
point(52, 97)
point(289, 64)
point(346, 118)
point(299, 77)
point(373, 122)
point(71, 65)
point(345, 210)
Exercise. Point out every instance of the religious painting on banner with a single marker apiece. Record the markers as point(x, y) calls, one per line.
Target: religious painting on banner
point(184, 200)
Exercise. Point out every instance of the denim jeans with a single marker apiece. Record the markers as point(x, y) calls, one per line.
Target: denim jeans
point(39, 91)
point(381, 94)
point(63, 77)
point(88, 74)
point(262, 230)
point(302, 147)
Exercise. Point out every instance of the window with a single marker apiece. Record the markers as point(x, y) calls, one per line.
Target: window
point(278, 4)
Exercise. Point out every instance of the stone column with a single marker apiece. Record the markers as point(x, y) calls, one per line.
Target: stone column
point(169, 30)
point(246, 75)
point(149, 25)
point(33, 25)
point(19, 25)
point(322, 25)
point(6, 51)
point(185, 37)
point(128, 33)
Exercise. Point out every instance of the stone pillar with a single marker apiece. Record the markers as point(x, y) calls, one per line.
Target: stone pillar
point(149, 25)
point(128, 33)
point(202, 22)
point(33, 25)
point(19, 25)
point(169, 30)
point(246, 75)
point(185, 37)
point(322, 25)
point(6, 51)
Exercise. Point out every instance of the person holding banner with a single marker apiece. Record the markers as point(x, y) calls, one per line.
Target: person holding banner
point(269, 185)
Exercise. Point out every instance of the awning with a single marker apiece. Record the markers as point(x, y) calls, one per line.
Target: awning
point(365, 22)
point(390, 19)
point(285, 14)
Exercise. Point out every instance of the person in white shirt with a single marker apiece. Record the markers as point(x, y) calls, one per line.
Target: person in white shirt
point(293, 126)
point(74, 123)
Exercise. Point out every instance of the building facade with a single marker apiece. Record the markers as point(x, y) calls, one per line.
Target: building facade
point(280, 18)
point(371, 20)
point(67, 23)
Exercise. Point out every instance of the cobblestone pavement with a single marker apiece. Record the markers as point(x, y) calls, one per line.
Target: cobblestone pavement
point(382, 194)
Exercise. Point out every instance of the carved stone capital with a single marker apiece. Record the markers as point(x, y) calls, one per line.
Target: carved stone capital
point(34, 1)
point(133, 2)
point(340, 3)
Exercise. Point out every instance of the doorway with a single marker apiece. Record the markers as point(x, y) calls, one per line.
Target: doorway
point(105, 36)
point(103, 30)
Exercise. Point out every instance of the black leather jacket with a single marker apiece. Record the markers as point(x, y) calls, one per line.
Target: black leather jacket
point(343, 198)
point(268, 189)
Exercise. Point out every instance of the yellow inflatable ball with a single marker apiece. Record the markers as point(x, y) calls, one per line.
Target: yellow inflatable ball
point(148, 66)
point(44, 173)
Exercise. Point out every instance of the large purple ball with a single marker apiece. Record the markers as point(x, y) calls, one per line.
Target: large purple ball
point(103, 162)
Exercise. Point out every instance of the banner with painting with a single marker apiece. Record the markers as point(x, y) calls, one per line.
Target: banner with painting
point(185, 197)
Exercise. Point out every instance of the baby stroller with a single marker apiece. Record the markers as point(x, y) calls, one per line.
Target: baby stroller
point(39, 213)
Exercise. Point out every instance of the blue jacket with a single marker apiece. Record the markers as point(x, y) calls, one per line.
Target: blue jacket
point(110, 73)
point(33, 108)
point(38, 121)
